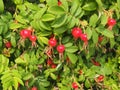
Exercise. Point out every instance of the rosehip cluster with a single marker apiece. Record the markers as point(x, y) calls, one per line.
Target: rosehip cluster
point(25, 33)
point(50, 63)
point(77, 33)
point(53, 42)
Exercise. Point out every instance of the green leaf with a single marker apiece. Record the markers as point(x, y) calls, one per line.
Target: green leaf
point(40, 13)
point(118, 3)
point(44, 40)
point(48, 17)
point(13, 41)
point(108, 33)
point(71, 23)
point(27, 76)
point(20, 19)
point(44, 83)
point(91, 6)
point(1, 41)
point(31, 6)
point(53, 76)
point(45, 33)
point(71, 49)
point(1, 6)
point(56, 10)
point(65, 5)
point(81, 78)
point(73, 58)
point(93, 20)
point(68, 44)
point(104, 19)
point(52, 2)
point(88, 32)
point(107, 69)
point(87, 83)
point(3, 63)
point(44, 25)
point(112, 42)
point(78, 11)
point(60, 30)
point(74, 7)
point(5, 27)
point(15, 25)
point(100, 4)
point(59, 21)
point(20, 61)
point(95, 36)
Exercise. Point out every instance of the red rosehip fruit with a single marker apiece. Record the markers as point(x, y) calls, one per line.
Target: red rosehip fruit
point(25, 33)
point(76, 32)
point(111, 22)
point(59, 3)
point(100, 78)
point(100, 39)
point(53, 65)
point(95, 63)
point(84, 37)
point(49, 62)
point(8, 44)
point(60, 48)
point(74, 85)
point(52, 42)
point(80, 72)
point(33, 38)
point(34, 88)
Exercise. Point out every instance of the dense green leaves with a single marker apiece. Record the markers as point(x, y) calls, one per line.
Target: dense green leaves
point(27, 62)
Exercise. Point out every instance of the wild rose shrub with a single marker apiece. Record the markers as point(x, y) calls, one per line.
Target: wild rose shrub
point(59, 45)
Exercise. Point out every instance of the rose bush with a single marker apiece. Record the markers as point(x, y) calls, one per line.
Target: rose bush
point(59, 45)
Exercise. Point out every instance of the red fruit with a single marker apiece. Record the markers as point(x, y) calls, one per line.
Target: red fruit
point(34, 88)
point(84, 37)
point(59, 3)
point(8, 44)
point(76, 32)
point(95, 62)
point(80, 72)
point(18, 85)
point(74, 85)
point(26, 83)
point(67, 59)
point(60, 48)
point(25, 33)
point(100, 38)
point(111, 22)
point(33, 38)
point(100, 78)
point(49, 62)
point(53, 66)
point(49, 52)
point(52, 42)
